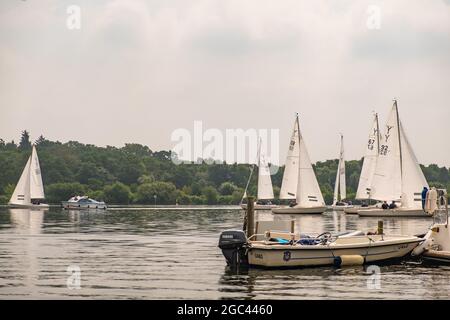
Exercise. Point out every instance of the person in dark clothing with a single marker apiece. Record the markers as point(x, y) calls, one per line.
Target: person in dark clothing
point(392, 205)
point(424, 196)
point(385, 206)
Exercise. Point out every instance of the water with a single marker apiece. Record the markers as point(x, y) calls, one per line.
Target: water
point(172, 254)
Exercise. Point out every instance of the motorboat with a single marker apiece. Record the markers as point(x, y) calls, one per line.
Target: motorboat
point(265, 188)
point(29, 191)
point(283, 248)
point(299, 184)
point(83, 202)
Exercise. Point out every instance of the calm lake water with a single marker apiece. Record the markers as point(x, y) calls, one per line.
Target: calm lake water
point(150, 253)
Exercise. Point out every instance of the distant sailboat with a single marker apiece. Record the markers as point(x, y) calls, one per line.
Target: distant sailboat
point(368, 167)
point(398, 176)
point(340, 187)
point(265, 189)
point(29, 191)
point(299, 180)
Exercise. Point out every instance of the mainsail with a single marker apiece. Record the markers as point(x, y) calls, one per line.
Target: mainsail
point(30, 184)
point(340, 184)
point(397, 175)
point(370, 162)
point(308, 191)
point(290, 177)
point(36, 185)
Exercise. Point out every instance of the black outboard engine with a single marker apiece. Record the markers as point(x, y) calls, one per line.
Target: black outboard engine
point(234, 247)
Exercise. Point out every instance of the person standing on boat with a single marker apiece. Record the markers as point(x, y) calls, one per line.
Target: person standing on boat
point(385, 206)
point(424, 196)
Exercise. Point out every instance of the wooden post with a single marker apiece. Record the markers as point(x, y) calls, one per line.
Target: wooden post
point(250, 217)
point(380, 227)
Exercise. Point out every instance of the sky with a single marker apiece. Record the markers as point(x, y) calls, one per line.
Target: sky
point(136, 70)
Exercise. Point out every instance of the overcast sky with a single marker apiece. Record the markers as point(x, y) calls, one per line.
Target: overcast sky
point(138, 70)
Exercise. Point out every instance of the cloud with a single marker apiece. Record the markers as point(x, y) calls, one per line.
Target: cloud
point(146, 68)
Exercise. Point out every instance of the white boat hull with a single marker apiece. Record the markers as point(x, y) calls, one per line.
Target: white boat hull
point(340, 208)
point(320, 255)
point(352, 210)
point(300, 210)
point(356, 209)
point(260, 206)
point(42, 206)
point(393, 213)
point(76, 206)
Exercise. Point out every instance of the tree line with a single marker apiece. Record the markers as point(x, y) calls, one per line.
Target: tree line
point(134, 174)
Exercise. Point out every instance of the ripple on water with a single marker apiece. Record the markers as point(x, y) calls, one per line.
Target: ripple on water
point(173, 254)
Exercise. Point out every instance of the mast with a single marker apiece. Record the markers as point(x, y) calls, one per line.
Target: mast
point(378, 147)
point(299, 153)
point(248, 182)
point(399, 138)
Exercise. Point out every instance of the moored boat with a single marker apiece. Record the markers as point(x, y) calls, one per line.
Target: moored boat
point(281, 249)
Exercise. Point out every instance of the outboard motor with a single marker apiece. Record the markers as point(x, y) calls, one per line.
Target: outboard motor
point(234, 247)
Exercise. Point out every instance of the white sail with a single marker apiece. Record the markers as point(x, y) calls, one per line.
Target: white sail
point(342, 172)
point(290, 177)
point(308, 190)
point(21, 194)
point(387, 180)
point(265, 190)
point(413, 179)
point(370, 162)
point(36, 185)
point(340, 184)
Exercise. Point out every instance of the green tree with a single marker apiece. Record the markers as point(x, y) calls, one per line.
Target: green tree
point(25, 143)
point(227, 188)
point(8, 190)
point(165, 192)
point(210, 194)
point(58, 192)
point(117, 193)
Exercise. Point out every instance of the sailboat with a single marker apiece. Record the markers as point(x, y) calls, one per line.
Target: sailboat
point(398, 176)
point(340, 185)
point(265, 189)
point(368, 168)
point(29, 191)
point(299, 180)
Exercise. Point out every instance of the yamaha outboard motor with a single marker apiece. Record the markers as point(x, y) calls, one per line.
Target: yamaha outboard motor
point(234, 247)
